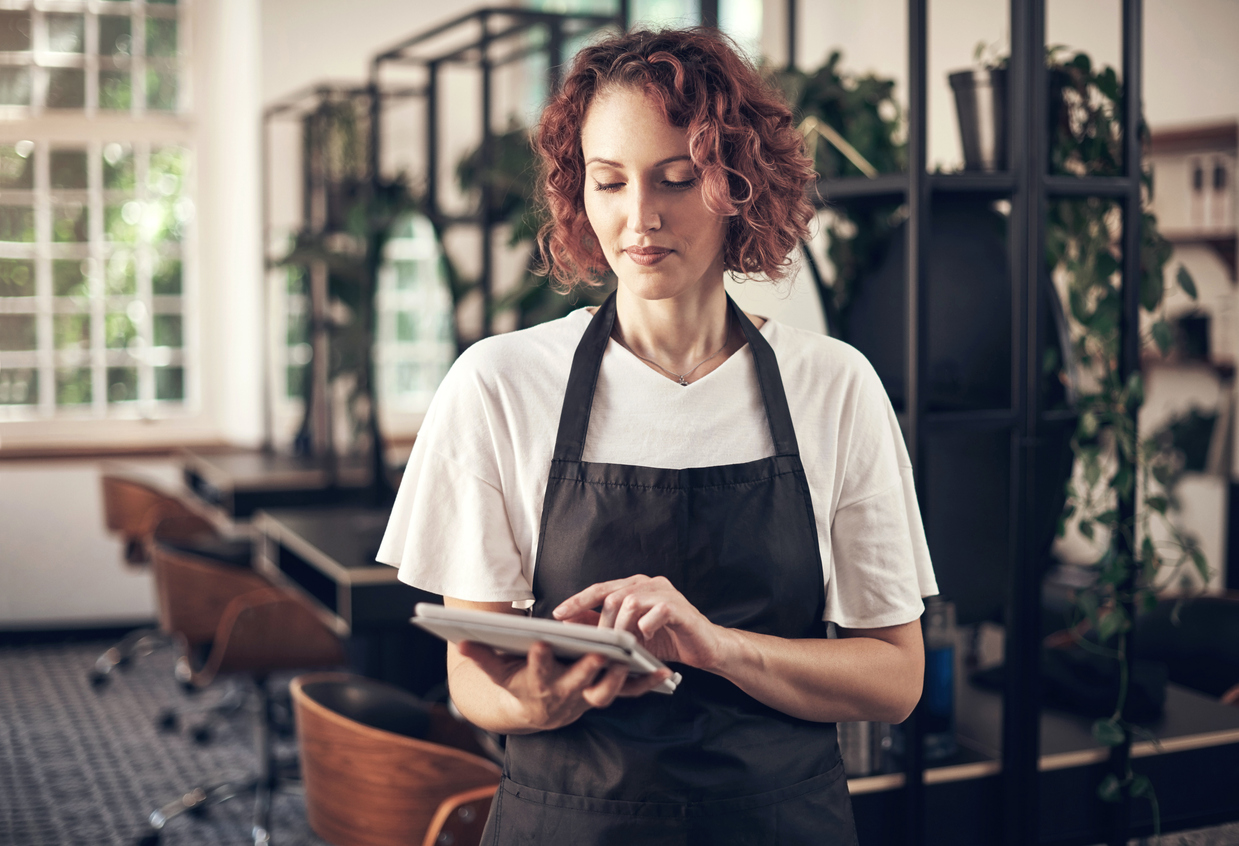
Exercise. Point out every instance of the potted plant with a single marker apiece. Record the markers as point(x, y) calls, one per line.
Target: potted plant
point(347, 239)
point(981, 107)
point(853, 126)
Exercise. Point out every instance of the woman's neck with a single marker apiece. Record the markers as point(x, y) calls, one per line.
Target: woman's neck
point(677, 332)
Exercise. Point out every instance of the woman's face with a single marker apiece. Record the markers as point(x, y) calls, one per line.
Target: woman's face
point(644, 201)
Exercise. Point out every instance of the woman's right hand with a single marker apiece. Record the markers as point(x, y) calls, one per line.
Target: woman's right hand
point(539, 692)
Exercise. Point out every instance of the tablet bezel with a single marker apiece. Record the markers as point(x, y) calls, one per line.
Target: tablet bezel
point(515, 634)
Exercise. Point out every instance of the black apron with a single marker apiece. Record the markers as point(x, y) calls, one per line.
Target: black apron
point(708, 764)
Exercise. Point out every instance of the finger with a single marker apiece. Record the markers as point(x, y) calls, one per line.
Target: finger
point(589, 598)
point(581, 674)
point(585, 618)
point(653, 619)
point(641, 685)
point(614, 603)
point(542, 664)
point(633, 609)
point(603, 692)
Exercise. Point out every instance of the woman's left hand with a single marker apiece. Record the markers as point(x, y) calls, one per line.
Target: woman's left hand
point(664, 621)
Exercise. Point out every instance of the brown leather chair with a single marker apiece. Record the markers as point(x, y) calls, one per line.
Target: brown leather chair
point(259, 629)
point(133, 508)
point(383, 768)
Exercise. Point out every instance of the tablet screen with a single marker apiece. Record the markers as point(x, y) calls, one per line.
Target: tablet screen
point(515, 634)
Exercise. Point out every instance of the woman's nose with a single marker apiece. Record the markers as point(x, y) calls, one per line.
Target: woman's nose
point(643, 213)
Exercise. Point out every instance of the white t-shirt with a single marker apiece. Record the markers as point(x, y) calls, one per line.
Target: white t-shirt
point(466, 519)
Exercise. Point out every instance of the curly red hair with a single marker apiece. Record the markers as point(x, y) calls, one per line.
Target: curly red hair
point(742, 140)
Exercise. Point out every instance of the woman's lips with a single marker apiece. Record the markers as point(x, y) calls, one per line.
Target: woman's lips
point(647, 256)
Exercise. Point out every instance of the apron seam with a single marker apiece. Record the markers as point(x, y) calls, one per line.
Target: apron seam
point(628, 486)
point(679, 810)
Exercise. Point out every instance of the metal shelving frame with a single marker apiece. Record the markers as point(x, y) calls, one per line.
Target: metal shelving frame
point(302, 107)
point(499, 37)
point(1029, 186)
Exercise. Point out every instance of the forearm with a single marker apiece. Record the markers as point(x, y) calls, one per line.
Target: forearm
point(483, 702)
point(859, 677)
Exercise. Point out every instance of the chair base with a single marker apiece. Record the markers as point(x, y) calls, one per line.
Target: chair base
point(199, 799)
point(137, 643)
point(273, 775)
point(209, 715)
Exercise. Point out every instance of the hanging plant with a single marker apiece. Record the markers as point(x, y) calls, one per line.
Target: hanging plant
point(1119, 473)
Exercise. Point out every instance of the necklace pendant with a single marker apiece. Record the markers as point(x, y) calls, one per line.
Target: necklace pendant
point(683, 382)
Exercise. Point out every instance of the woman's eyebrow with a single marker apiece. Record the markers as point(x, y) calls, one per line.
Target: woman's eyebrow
point(666, 161)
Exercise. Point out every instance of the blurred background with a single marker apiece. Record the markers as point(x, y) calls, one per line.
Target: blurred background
point(135, 311)
point(241, 241)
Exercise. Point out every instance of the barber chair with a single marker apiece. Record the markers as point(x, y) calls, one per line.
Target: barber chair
point(132, 508)
point(383, 768)
point(259, 630)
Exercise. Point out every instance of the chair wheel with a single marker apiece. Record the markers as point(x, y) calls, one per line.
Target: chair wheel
point(98, 679)
point(168, 721)
point(151, 839)
point(201, 735)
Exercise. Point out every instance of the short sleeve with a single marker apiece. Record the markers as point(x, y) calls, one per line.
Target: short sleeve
point(880, 568)
point(449, 531)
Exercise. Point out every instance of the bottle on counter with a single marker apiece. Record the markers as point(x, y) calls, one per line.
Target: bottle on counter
point(939, 694)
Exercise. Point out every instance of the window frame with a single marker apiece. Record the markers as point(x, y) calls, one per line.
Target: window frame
point(90, 128)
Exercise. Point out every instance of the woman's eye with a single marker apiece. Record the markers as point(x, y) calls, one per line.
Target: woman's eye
point(680, 186)
point(608, 186)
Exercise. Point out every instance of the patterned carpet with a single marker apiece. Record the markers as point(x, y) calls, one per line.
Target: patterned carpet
point(84, 767)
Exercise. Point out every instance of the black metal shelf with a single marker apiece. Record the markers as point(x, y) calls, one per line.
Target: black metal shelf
point(894, 186)
point(1033, 429)
point(986, 184)
point(1114, 187)
point(972, 420)
point(885, 186)
point(485, 40)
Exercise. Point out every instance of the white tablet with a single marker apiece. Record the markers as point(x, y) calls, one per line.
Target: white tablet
point(515, 634)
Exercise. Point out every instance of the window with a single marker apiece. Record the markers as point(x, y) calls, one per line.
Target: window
point(416, 341)
point(96, 212)
point(91, 57)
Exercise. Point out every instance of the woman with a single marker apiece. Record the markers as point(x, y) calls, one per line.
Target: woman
point(719, 485)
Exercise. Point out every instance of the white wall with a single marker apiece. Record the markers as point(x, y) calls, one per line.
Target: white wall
point(228, 77)
point(58, 565)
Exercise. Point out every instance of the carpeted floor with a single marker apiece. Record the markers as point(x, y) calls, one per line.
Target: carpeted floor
point(84, 767)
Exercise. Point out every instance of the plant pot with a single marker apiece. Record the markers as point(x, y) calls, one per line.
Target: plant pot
point(981, 105)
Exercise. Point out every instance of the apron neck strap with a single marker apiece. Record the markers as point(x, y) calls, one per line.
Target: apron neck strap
point(587, 362)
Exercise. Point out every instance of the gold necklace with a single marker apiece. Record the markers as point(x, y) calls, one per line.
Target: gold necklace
point(682, 378)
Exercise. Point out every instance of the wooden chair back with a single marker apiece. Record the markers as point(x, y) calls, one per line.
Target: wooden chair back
point(369, 782)
point(267, 630)
point(132, 508)
point(460, 819)
point(192, 592)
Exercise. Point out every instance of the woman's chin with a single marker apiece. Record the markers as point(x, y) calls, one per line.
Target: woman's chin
point(655, 283)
